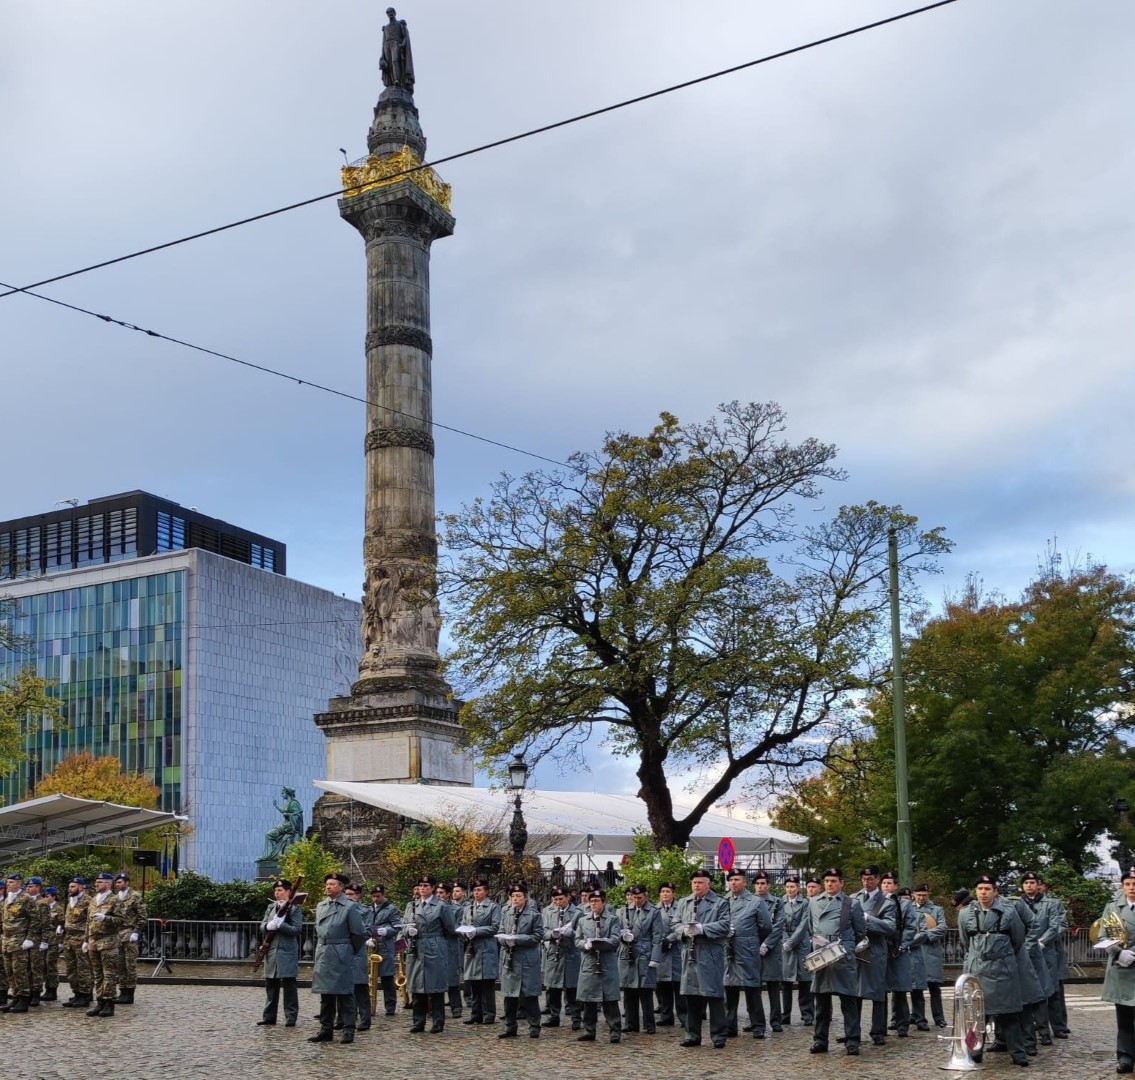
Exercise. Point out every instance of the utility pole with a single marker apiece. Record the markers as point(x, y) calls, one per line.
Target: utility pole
point(902, 795)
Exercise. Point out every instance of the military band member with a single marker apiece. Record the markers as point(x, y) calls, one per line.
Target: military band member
point(794, 972)
point(1056, 956)
point(640, 952)
point(880, 915)
point(772, 952)
point(991, 932)
point(460, 898)
point(53, 915)
point(429, 923)
point(75, 957)
point(281, 961)
point(597, 939)
point(453, 991)
point(671, 1004)
point(899, 966)
point(834, 917)
point(22, 932)
point(384, 920)
point(560, 967)
point(749, 926)
point(354, 892)
point(1040, 910)
point(104, 920)
point(132, 926)
point(1032, 985)
point(704, 919)
point(930, 940)
point(481, 922)
point(1119, 978)
point(340, 934)
point(521, 937)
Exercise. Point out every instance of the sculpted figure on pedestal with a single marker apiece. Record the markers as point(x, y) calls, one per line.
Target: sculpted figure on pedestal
point(397, 63)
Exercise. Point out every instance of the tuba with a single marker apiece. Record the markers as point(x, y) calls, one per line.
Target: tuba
point(967, 1040)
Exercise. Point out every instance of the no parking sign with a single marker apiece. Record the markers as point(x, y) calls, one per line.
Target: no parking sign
point(726, 853)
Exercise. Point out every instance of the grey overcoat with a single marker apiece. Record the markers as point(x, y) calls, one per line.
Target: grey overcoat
point(427, 953)
point(338, 929)
point(881, 917)
point(750, 925)
point(793, 913)
point(520, 962)
point(1119, 982)
point(991, 940)
point(703, 959)
point(560, 964)
point(599, 966)
point(836, 918)
point(282, 960)
point(635, 957)
point(481, 953)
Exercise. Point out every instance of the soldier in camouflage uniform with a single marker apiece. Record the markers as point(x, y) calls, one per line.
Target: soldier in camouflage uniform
point(38, 954)
point(53, 915)
point(104, 919)
point(22, 933)
point(75, 957)
point(3, 976)
point(129, 933)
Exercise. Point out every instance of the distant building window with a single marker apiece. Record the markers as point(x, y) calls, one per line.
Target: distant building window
point(264, 557)
point(171, 532)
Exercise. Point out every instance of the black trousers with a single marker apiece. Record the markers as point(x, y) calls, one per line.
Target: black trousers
point(362, 1006)
point(341, 1004)
point(454, 995)
point(429, 1003)
point(272, 989)
point(878, 1017)
point(1010, 1032)
point(484, 1006)
point(638, 1001)
point(1058, 1011)
point(528, 1006)
point(804, 993)
point(695, 1016)
point(900, 1011)
point(671, 1003)
point(389, 994)
point(1125, 1035)
point(849, 1006)
point(775, 1005)
point(610, 1014)
point(753, 1003)
point(554, 998)
point(918, 1005)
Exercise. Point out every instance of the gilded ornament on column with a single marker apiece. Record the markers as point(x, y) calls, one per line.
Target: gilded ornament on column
point(379, 171)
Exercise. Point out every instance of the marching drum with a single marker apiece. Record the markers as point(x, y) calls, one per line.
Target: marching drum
point(825, 956)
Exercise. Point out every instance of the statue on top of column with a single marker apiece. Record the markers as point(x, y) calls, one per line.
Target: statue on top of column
point(397, 63)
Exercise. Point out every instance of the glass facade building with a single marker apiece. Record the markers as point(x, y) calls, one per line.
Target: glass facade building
point(200, 671)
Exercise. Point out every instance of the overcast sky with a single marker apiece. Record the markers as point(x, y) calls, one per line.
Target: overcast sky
point(919, 241)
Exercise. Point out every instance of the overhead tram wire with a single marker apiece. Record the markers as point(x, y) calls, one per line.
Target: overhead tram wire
point(12, 289)
point(291, 378)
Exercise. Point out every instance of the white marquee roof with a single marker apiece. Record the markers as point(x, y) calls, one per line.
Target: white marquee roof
point(595, 823)
point(39, 826)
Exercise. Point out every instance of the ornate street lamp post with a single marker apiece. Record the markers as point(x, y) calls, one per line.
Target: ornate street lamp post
point(517, 831)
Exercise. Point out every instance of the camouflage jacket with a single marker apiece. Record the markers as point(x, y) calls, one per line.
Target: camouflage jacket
point(75, 920)
point(53, 915)
point(133, 913)
point(22, 920)
point(104, 932)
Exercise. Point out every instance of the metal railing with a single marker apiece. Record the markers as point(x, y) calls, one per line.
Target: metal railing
point(222, 941)
point(1077, 947)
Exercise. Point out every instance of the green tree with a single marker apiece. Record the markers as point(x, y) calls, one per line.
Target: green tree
point(26, 705)
point(310, 858)
point(637, 596)
point(195, 896)
point(649, 866)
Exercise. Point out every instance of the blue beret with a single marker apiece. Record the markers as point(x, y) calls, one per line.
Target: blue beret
point(51, 890)
point(78, 881)
point(106, 875)
point(35, 881)
point(15, 876)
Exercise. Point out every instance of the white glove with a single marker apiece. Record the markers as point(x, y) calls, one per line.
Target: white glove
point(133, 938)
point(86, 947)
point(1042, 945)
point(862, 945)
point(411, 931)
point(29, 944)
point(588, 945)
point(100, 915)
point(787, 947)
point(380, 931)
point(502, 937)
point(567, 931)
point(274, 923)
point(627, 936)
point(653, 964)
point(764, 949)
point(43, 946)
point(692, 929)
point(59, 931)
point(1126, 958)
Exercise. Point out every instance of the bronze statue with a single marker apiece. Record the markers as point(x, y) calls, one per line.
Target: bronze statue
point(280, 838)
point(397, 63)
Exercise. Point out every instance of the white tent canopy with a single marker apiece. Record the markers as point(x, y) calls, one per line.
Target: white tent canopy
point(53, 822)
point(598, 825)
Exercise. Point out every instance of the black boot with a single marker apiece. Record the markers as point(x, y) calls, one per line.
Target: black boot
point(33, 1001)
point(96, 1010)
point(125, 996)
point(19, 1005)
point(107, 1007)
point(50, 994)
point(79, 1001)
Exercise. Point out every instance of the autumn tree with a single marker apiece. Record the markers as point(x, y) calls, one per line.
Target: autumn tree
point(26, 703)
point(663, 592)
point(86, 777)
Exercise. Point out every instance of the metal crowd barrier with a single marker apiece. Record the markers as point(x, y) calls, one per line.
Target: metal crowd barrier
point(220, 941)
point(1077, 947)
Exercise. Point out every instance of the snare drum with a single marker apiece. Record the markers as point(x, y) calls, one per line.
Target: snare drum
point(825, 956)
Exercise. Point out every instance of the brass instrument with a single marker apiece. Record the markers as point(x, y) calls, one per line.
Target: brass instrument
point(400, 976)
point(374, 962)
point(1110, 928)
point(967, 1040)
point(931, 922)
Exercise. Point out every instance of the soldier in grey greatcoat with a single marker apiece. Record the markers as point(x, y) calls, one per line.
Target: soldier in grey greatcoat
point(1119, 978)
point(597, 937)
point(834, 917)
point(479, 926)
point(881, 917)
point(282, 960)
point(669, 987)
point(640, 952)
point(749, 927)
point(445, 895)
point(772, 952)
point(1056, 956)
point(899, 960)
point(521, 937)
point(704, 920)
point(429, 924)
point(354, 892)
point(929, 939)
point(340, 934)
point(794, 973)
point(1039, 910)
point(991, 932)
point(560, 964)
point(1034, 996)
point(384, 920)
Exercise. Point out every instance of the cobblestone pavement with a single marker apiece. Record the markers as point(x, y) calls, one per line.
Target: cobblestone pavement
point(191, 1031)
